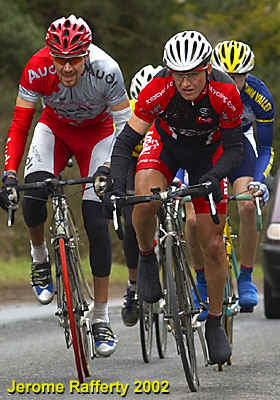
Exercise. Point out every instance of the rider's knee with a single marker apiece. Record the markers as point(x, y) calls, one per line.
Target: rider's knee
point(34, 201)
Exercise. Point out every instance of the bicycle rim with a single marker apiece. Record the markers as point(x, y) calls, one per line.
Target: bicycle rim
point(73, 323)
point(146, 329)
point(182, 317)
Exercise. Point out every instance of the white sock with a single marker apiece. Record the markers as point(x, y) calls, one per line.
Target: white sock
point(39, 254)
point(100, 312)
point(132, 286)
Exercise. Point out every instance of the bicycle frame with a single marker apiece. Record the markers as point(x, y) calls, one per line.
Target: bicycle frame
point(177, 281)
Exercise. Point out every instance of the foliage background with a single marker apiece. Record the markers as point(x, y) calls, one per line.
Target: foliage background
point(134, 33)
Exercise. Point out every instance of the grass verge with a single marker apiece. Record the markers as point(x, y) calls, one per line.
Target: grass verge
point(16, 272)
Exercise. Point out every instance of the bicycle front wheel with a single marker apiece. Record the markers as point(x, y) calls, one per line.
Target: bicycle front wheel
point(146, 328)
point(70, 302)
point(182, 311)
point(84, 295)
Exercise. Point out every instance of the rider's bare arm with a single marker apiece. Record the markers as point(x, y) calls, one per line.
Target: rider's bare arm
point(24, 103)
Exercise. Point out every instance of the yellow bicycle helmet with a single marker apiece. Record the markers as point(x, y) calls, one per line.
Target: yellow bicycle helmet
point(233, 57)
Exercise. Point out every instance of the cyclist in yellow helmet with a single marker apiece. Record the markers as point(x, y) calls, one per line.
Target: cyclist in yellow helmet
point(237, 59)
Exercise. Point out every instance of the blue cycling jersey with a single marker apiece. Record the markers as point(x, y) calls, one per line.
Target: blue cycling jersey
point(259, 108)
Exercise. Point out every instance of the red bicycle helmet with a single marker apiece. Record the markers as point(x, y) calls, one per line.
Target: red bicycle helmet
point(68, 37)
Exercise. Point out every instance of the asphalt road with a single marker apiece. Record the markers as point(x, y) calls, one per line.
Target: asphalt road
point(32, 350)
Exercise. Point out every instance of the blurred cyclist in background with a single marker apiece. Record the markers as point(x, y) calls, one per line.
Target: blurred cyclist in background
point(83, 92)
point(130, 309)
point(237, 59)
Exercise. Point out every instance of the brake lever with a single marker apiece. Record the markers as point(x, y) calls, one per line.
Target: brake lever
point(213, 209)
point(117, 218)
point(11, 215)
point(11, 210)
point(258, 213)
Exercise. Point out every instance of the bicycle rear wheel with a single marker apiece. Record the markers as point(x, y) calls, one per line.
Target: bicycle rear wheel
point(146, 328)
point(182, 311)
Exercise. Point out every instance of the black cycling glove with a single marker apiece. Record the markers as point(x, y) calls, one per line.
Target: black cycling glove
point(10, 182)
point(102, 181)
point(214, 188)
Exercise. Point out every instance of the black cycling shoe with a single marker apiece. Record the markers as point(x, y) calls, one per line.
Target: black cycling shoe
point(217, 342)
point(130, 308)
point(148, 278)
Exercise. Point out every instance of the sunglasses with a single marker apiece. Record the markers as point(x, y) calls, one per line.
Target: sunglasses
point(180, 76)
point(71, 60)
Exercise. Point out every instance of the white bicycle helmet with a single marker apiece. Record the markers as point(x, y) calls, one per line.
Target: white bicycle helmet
point(233, 57)
point(141, 78)
point(186, 50)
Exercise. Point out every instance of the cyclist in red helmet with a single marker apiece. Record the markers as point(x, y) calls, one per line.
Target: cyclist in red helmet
point(83, 93)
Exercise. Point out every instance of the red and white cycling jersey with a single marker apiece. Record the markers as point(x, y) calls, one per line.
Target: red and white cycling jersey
point(87, 104)
point(100, 87)
point(218, 106)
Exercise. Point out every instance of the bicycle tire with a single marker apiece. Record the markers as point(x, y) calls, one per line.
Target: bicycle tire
point(74, 327)
point(160, 320)
point(146, 329)
point(181, 314)
point(161, 330)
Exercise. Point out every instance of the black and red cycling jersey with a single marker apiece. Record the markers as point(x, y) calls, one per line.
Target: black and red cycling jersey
point(218, 108)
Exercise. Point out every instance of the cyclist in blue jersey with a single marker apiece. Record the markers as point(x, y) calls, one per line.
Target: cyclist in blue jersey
point(237, 59)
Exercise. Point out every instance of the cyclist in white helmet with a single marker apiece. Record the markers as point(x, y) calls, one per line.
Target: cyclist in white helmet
point(194, 116)
point(238, 60)
point(130, 309)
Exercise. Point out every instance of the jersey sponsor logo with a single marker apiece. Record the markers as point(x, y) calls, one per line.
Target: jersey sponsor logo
point(263, 102)
point(109, 78)
point(159, 94)
point(40, 73)
point(222, 96)
point(204, 116)
point(149, 143)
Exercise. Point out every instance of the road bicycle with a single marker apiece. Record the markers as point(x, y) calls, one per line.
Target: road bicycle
point(151, 316)
point(73, 294)
point(179, 313)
